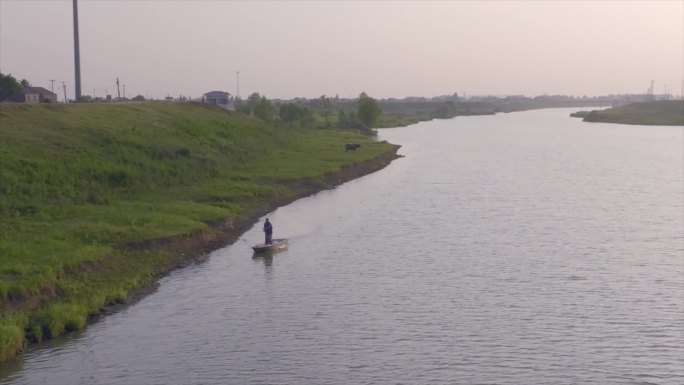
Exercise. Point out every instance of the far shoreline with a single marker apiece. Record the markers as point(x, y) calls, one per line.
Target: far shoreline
point(657, 113)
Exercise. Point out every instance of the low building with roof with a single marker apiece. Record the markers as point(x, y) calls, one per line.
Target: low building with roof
point(218, 98)
point(37, 95)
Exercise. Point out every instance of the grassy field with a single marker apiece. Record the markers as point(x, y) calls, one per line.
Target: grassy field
point(660, 113)
point(80, 184)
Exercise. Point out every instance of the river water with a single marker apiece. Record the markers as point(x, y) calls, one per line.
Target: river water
point(522, 248)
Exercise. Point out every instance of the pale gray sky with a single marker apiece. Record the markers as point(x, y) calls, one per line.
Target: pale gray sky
point(285, 49)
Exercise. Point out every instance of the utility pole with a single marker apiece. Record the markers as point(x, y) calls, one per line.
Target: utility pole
point(64, 88)
point(651, 89)
point(52, 85)
point(238, 84)
point(118, 90)
point(77, 54)
point(124, 91)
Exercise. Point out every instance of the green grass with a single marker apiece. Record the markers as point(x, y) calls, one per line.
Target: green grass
point(660, 113)
point(80, 182)
point(12, 335)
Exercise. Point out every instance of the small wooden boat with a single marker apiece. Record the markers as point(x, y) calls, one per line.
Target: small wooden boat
point(278, 244)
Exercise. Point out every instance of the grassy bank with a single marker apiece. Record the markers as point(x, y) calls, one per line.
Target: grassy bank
point(660, 113)
point(98, 200)
point(580, 114)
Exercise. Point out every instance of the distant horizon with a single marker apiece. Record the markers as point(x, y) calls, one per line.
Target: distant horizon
point(128, 95)
point(290, 49)
point(114, 97)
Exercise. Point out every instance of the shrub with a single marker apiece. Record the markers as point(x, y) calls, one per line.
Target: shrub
point(62, 317)
point(11, 341)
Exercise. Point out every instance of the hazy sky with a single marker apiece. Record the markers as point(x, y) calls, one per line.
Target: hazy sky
point(285, 49)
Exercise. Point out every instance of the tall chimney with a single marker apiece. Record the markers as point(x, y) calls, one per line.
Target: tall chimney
point(77, 55)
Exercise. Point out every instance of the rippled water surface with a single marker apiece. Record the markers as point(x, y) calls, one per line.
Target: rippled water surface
point(524, 248)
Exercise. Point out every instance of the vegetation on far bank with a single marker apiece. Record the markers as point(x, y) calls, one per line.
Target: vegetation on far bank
point(658, 113)
point(579, 114)
point(81, 183)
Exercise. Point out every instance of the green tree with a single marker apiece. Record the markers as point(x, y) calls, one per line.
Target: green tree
point(368, 111)
point(352, 120)
point(342, 120)
point(252, 102)
point(242, 107)
point(25, 83)
point(138, 98)
point(294, 113)
point(8, 86)
point(264, 110)
point(327, 109)
point(447, 110)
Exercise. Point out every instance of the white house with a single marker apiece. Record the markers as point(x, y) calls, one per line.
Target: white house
point(219, 98)
point(38, 95)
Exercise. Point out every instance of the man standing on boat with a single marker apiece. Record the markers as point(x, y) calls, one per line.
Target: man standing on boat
point(268, 230)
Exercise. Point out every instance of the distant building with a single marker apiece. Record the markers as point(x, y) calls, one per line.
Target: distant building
point(37, 95)
point(218, 98)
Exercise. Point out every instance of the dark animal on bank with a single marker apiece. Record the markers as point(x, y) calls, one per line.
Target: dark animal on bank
point(351, 147)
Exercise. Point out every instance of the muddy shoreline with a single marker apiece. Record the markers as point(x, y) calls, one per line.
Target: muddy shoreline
point(195, 248)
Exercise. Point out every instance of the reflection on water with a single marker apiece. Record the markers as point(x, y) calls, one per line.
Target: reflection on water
point(265, 258)
point(11, 367)
point(525, 248)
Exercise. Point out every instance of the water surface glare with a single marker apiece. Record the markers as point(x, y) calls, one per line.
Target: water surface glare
point(523, 248)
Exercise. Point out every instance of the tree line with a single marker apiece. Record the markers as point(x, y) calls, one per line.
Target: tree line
point(10, 87)
point(315, 113)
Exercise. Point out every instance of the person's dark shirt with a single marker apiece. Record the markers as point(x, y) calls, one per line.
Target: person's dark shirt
point(268, 228)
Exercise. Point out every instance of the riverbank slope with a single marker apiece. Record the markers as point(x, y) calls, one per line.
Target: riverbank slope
point(659, 113)
point(98, 201)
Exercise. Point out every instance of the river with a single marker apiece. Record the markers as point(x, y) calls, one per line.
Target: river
point(522, 248)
